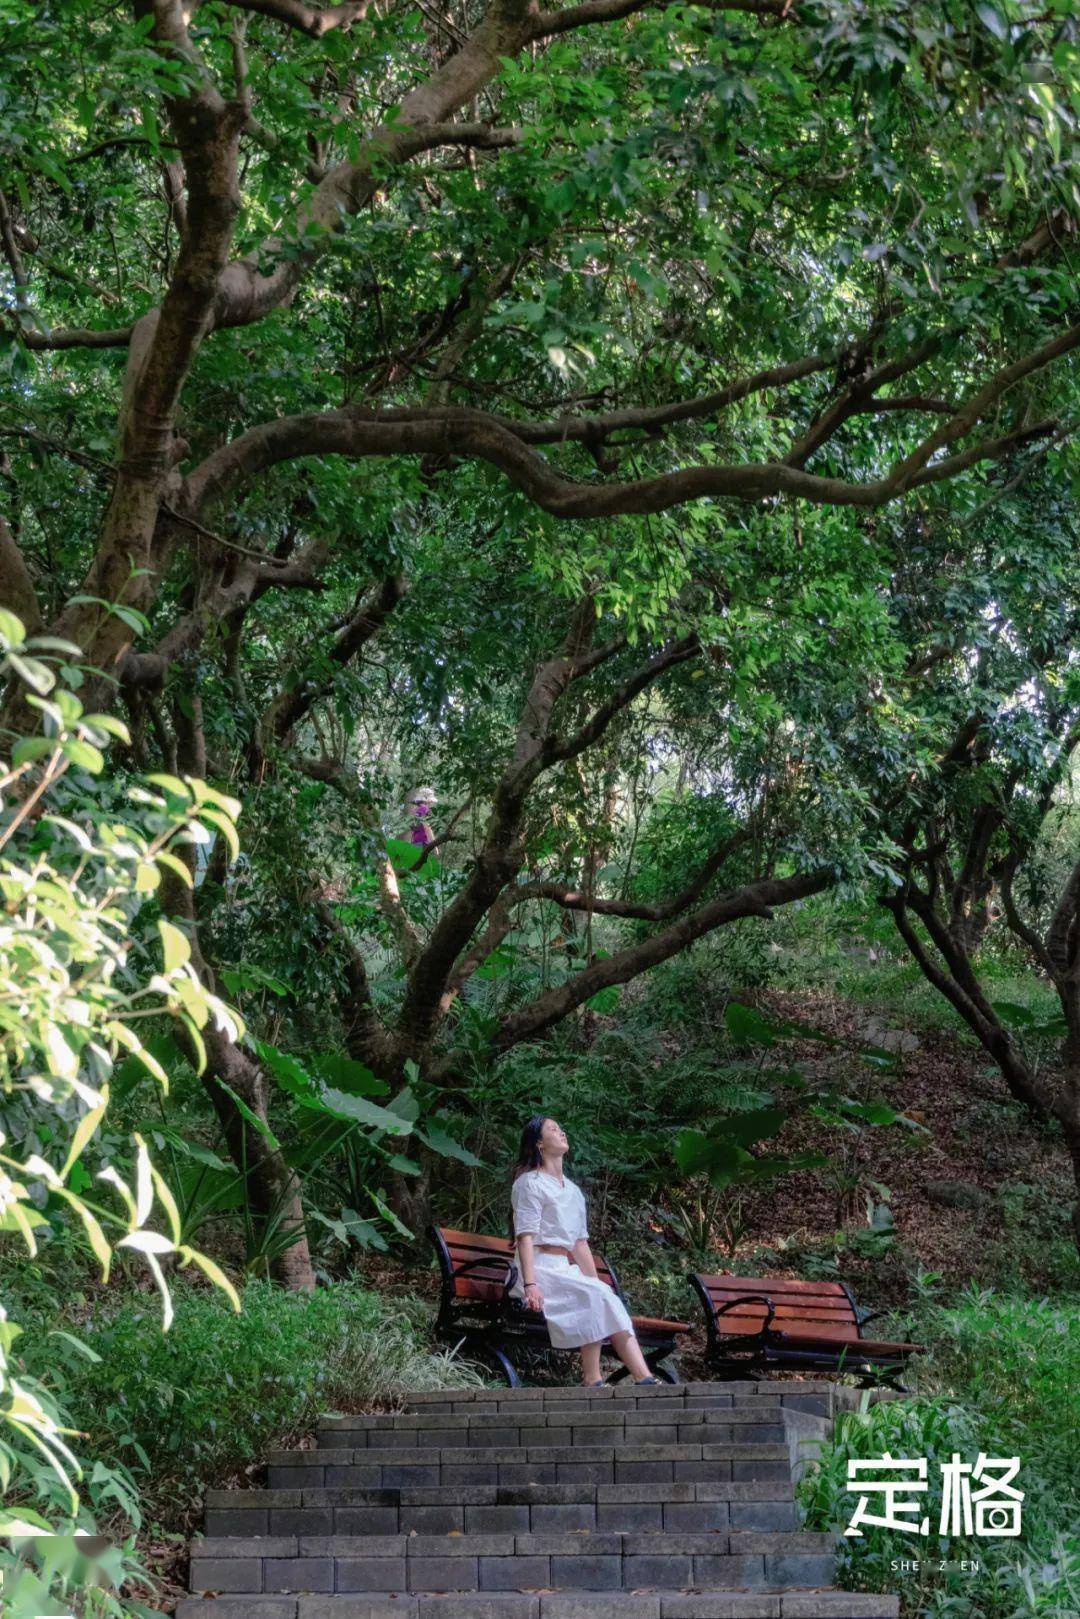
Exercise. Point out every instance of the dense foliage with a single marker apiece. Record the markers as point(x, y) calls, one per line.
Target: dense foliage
point(650, 427)
point(512, 401)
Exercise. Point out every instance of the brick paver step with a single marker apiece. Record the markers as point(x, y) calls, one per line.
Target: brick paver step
point(718, 1604)
point(527, 1464)
point(658, 1425)
point(597, 1405)
point(764, 1504)
point(808, 1395)
point(508, 1562)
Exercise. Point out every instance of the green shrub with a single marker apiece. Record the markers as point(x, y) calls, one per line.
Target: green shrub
point(190, 1409)
point(1001, 1375)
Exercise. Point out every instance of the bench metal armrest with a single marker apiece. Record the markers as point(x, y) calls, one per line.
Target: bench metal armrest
point(748, 1298)
point(485, 1259)
point(490, 1259)
point(872, 1315)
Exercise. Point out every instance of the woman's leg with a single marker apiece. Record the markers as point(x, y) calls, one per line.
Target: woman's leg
point(627, 1348)
point(590, 1363)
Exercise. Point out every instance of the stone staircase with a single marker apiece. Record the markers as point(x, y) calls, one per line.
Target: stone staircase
point(552, 1503)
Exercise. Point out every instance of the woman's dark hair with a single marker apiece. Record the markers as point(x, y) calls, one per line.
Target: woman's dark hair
point(529, 1154)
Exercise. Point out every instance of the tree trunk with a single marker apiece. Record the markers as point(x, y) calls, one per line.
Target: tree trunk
point(272, 1188)
point(1068, 1112)
point(409, 1196)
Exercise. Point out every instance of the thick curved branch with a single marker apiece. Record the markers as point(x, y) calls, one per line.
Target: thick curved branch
point(557, 749)
point(456, 431)
point(315, 21)
point(979, 403)
point(591, 12)
point(1063, 934)
point(1023, 930)
point(856, 399)
point(16, 586)
point(338, 776)
point(1024, 1084)
point(754, 899)
point(366, 1039)
point(245, 293)
point(576, 899)
point(78, 337)
point(502, 854)
point(289, 708)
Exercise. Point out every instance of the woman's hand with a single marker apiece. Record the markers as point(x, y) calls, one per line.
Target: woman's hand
point(534, 1299)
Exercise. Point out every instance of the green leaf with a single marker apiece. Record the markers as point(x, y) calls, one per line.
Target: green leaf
point(218, 818)
point(404, 856)
point(186, 1147)
point(991, 18)
point(605, 1001)
point(747, 1026)
point(360, 1110)
point(439, 1139)
point(175, 946)
point(287, 1070)
point(32, 747)
point(870, 1112)
point(77, 1344)
point(746, 1128)
point(389, 1216)
point(12, 629)
point(252, 1117)
point(36, 674)
point(346, 1074)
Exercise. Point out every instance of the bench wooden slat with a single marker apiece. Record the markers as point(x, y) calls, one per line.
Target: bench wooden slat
point(474, 1239)
point(777, 1284)
point(782, 1321)
point(652, 1323)
point(865, 1346)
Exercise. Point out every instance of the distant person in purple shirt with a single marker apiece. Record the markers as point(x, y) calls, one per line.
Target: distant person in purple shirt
point(421, 803)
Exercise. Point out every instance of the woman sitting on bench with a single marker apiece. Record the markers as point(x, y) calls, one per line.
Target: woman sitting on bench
point(556, 1272)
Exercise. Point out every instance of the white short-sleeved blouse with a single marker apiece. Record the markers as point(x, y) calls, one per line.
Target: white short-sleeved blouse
point(548, 1211)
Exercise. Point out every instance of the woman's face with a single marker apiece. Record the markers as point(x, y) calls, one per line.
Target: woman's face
point(553, 1137)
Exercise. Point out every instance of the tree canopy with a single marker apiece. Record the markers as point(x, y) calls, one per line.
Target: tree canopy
point(651, 424)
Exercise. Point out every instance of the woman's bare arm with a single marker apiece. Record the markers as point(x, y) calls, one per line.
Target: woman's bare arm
point(583, 1258)
point(534, 1298)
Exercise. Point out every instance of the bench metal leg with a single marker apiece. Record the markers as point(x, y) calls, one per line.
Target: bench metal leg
point(506, 1366)
point(655, 1362)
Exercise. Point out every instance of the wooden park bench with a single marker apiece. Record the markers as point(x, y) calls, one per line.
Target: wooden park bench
point(476, 1308)
point(757, 1323)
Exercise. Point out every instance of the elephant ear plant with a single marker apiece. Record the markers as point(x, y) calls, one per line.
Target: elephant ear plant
point(84, 963)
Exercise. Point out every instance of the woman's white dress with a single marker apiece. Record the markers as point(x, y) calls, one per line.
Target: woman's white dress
point(579, 1309)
